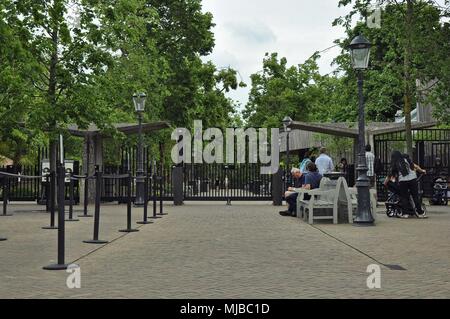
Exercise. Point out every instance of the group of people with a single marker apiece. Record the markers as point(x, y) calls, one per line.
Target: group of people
point(307, 176)
point(402, 179)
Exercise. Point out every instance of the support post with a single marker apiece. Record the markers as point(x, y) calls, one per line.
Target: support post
point(98, 194)
point(61, 265)
point(52, 201)
point(129, 200)
point(277, 188)
point(177, 184)
point(5, 196)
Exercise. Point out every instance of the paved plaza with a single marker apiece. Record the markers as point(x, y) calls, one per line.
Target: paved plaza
point(210, 250)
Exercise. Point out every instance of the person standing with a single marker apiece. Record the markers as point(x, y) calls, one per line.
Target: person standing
point(324, 163)
point(403, 171)
point(370, 160)
point(304, 162)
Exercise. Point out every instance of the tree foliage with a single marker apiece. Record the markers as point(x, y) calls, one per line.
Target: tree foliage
point(80, 61)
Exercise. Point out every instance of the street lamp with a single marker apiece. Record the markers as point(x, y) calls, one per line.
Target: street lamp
point(287, 121)
point(139, 106)
point(360, 53)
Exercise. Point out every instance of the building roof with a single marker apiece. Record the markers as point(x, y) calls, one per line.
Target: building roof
point(126, 128)
point(350, 129)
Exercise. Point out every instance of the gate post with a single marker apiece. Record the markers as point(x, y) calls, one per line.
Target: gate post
point(277, 188)
point(177, 185)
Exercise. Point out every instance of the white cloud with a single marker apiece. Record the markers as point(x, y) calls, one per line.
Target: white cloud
point(247, 29)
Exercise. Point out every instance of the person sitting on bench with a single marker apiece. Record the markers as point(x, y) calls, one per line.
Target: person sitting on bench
point(311, 180)
point(291, 196)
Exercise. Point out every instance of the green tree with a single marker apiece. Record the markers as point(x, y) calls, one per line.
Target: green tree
point(278, 90)
point(60, 57)
point(405, 50)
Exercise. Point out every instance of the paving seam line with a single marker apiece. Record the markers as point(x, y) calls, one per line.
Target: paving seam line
point(352, 247)
point(103, 246)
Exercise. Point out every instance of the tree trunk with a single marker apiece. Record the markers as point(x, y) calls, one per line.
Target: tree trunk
point(51, 97)
point(408, 93)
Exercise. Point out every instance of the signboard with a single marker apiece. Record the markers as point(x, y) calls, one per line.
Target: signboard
point(45, 168)
point(69, 165)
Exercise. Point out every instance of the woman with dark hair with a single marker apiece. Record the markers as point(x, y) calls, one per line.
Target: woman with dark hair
point(343, 166)
point(403, 171)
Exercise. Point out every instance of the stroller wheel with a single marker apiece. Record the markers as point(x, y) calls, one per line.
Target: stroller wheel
point(424, 208)
point(391, 211)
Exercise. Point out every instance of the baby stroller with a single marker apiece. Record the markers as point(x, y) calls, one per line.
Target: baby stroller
point(440, 189)
point(393, 202)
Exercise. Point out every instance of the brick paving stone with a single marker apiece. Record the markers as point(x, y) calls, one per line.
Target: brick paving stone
point(210, 250)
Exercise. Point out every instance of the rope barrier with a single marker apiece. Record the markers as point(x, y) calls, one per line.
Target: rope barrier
point(78, 177)
point(23, 176)
point(123, 176)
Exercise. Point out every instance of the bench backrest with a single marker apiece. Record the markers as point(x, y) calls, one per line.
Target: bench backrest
point(328, 184)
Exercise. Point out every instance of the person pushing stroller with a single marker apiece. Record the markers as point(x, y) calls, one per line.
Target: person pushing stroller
point(402, 181)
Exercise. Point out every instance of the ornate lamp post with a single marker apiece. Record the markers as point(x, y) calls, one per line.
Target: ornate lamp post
point(360, 53)
point(139, 105)
point(287, 121)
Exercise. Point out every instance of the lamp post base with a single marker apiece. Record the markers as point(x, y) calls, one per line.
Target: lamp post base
point(3, 239)
point(363, 223)
point(49, 227)
point(6, 215)
point(56, 267)
point(72, 220)
point(85, 216)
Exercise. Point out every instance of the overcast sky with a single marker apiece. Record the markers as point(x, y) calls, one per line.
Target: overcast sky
point(247, 29)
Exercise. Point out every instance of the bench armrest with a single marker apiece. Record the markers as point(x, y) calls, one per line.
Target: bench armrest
point(319, 191)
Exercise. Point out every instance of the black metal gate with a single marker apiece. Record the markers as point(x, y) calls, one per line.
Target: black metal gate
point(428, 145)
point(222, 182)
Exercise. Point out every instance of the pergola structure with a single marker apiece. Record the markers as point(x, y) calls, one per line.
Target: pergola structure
point(93, 142)
point(302, 138)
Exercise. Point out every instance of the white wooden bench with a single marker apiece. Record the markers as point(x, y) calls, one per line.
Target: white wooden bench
point(325, 198)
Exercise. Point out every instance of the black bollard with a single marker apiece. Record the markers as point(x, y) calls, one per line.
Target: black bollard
point(161, 213)
point(52, 202)
point(98, 194)
point(145, 220)
point(71, 200)
point(61, 223)
point(5, 196)
point(47, 192)
point(155, 216)
point(129, 229)
point(86, 198)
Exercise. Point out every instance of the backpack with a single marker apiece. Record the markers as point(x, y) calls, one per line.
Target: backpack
point(303, 164)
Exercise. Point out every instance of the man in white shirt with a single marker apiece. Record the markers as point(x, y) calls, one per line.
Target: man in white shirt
point(324, 163)
point(370, 160)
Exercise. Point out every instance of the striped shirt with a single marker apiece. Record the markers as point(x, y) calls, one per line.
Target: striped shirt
point(370, 160)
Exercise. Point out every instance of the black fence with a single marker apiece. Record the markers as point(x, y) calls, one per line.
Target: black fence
point(428, 144)
point(115, 189)
point(216, 182)
point(23, 189)
point(226, 182)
